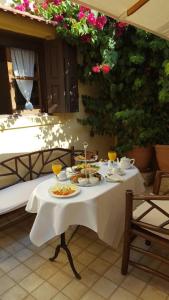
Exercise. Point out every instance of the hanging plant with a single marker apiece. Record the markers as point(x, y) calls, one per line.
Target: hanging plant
point(93, 33)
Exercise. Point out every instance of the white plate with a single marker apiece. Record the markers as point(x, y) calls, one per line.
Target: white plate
point(53, 188)
point(89, 184)
point(114, 178)
point(94, 159)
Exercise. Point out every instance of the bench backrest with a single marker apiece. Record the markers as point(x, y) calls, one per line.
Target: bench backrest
point(33, 165)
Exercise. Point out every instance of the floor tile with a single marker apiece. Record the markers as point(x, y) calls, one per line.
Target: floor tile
point(75, 290)
point(100, 266)
point(151, 292)
point(85, 257)
point(133, 284)
point(95, 248)
point(83, 242)
point(109, 256)
point(47, 270)
point(31, 282)
point(1, 272)
point(3, 254)
point(122, 294)
point(9, 264)
point(78, 266)
point(5, 283)
point(89, 277)
point(60, 280)
point(23, 254)
point(15, 293)
point(104, 287)
point(47, 252)
point(14, 247)
point(114, 274)
point(160, 284)
point(75, 250)
point(6, 241)
point(29, 297)
point(44, 292)
point(19, 273)
point(91, 295)
point(34, 262)
point(61, 296)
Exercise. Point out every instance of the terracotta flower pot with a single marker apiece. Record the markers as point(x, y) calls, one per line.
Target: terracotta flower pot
point(162, 157)
point(143, 157)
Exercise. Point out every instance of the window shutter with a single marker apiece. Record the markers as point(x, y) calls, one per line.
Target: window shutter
point(61, 76)
point(5, 97)
point(54, 76)
point(71, 80)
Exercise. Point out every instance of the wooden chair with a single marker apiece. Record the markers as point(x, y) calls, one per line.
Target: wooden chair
point(150, 221)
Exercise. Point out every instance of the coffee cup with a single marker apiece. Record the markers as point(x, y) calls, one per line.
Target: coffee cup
point(62, 175)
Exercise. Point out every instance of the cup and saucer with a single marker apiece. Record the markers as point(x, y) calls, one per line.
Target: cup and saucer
point(62, 176)
point(117, 171)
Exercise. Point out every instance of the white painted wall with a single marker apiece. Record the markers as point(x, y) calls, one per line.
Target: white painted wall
point(31, 133)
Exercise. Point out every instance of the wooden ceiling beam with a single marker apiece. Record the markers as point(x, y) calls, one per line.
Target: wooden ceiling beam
point(136, 7)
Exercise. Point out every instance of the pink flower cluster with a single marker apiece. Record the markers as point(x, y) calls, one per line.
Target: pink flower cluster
point(46, 3)
point(98, 22)
point(58, 18)
point(120, 28)
point(105, 68)
point(24, 6)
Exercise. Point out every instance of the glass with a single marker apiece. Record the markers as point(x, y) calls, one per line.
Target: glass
point(112, 155)
point(56, 168)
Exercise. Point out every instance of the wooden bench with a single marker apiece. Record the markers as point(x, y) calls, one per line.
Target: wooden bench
point(19, 175)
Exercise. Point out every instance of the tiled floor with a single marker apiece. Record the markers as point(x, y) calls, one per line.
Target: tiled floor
point(26, 272)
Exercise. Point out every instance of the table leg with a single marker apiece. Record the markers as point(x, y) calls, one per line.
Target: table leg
point(69, 255)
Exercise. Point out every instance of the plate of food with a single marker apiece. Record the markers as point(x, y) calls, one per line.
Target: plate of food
point(85, 168)
point(64, 190)
point(83, 180)
point(90, 157)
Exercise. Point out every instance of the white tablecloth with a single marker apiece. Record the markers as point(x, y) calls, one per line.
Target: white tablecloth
point(101, 208)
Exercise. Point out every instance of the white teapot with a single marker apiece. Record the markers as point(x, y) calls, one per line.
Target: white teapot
point(125, 162)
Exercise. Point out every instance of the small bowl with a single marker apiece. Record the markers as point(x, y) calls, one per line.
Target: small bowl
point(93, 180)
point(83, 181)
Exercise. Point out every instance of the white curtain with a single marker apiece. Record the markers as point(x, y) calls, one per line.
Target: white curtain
point(23, 65)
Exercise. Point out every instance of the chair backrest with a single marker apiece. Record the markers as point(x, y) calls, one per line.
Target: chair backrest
point(161, 183)
point(32, 165)
point(161, 193)
point(150, 221)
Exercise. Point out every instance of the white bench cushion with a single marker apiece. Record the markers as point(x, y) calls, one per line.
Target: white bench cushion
point(154, 217)
point(17, 195)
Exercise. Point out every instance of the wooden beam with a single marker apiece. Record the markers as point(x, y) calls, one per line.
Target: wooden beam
point(136, 7)
point(26, 26)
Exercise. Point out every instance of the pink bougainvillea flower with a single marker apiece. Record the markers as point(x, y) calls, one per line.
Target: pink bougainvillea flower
point(105, 69)
point(100, 22)
point(85, 9)
point(45, 5)
point(81, 15)
point(26, 3)
point(91, 19)
point(58, 18)
point(86, 38)
point(57, 2)
point(20, 7)
point(96, 69)
point(121, 25)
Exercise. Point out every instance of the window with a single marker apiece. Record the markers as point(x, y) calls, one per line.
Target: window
point(54, 77)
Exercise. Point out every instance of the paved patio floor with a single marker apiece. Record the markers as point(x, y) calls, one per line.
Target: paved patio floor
point(26, 272)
